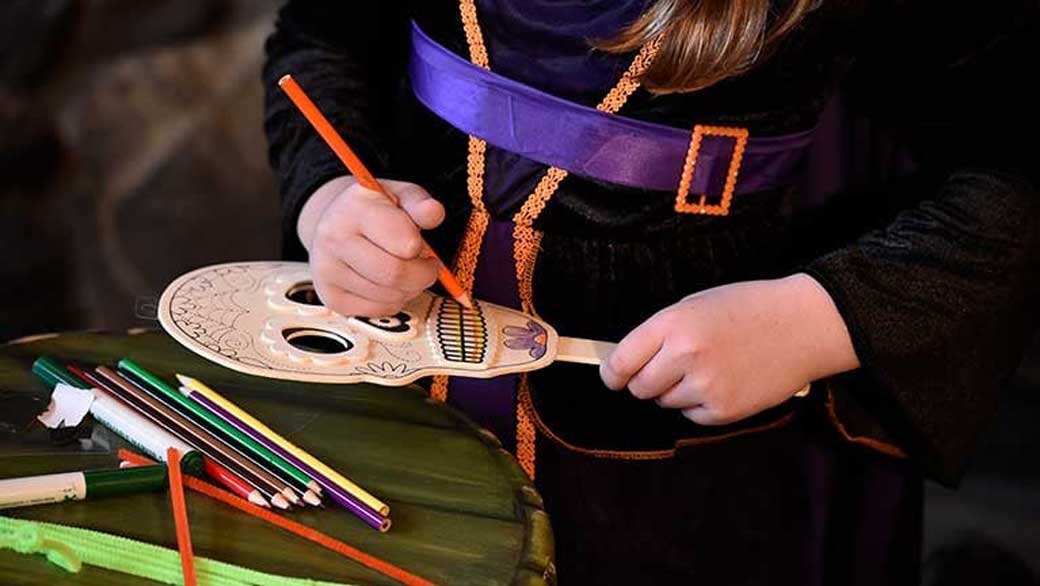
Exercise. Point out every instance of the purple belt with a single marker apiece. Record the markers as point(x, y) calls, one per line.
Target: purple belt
point(607, 147)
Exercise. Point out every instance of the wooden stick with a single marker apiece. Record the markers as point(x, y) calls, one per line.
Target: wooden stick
point(339, 146)
point(583, 351)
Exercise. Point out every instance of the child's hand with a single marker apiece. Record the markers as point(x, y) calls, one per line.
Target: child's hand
point(364, 250)
point(730, 352)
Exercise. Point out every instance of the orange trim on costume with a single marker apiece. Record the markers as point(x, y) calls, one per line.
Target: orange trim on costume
point(526, 240)
point(469, 249)
point(474, 37)
point(526, 434)
point(525, 398)
point(439, 388)
point(682, 197)
point(880, 446)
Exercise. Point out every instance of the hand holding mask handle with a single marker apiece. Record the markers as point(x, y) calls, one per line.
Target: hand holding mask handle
point(594, 352)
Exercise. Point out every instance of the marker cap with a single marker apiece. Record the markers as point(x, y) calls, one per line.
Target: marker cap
point(125, 480)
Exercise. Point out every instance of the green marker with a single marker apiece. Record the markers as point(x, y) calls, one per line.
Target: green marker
point(76, 486)
point(256, 451)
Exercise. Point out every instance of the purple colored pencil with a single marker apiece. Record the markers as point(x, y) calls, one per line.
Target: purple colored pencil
point(344, 498)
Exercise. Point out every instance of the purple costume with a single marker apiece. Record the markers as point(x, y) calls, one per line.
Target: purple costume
point(935, 297)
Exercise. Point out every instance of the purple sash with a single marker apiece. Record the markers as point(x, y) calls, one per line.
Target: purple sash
point(607, 147)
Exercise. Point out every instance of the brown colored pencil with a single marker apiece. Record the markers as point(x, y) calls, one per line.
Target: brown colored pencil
point(210, 445)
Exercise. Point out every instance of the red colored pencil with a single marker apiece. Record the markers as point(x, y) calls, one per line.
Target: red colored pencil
point(234, 483)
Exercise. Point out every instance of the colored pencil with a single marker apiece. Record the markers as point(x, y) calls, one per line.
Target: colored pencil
point(264, 457)
point(232, 454)
point(76, 486)
point(215, 447)
point(339, 146)
point(139, 430)
point(345, 499)
point(233, 483)
point(209, 444)
point(154, 441)
point(323, 474)
point(180, 517)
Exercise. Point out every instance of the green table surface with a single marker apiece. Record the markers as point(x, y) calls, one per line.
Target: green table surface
point(463, 512)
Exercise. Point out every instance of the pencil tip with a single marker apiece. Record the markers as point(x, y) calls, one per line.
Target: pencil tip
point(256, 499)
point(465, 300)
point(291, 496)
point(184, 380)
point(311, 499)
point(279, 501)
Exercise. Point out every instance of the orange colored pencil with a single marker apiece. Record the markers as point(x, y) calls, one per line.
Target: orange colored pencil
point(180, 516)
point(361, 173)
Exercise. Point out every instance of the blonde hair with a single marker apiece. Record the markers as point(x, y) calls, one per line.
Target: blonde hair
point(706, 41)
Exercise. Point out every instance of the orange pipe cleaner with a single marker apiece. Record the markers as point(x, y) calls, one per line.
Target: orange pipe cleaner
point(383, 567)
point(180, 516)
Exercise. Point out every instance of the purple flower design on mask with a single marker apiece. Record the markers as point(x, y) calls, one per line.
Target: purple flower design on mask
point(532, 338)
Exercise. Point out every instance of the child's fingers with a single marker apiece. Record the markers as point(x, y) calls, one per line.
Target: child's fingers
point(702, 415)
point(657, 376)
point(682, 395)
point(376, 265)
point(425, 211)
point(638, 347)
point(391, 229)
point(337, 274)
point(346, 303)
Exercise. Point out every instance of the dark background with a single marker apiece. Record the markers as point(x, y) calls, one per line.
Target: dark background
point(131, 151)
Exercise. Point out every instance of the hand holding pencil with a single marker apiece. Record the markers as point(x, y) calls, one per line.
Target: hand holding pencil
point(366, 251)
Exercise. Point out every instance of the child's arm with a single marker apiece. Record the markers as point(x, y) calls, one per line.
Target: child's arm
point(363, 251)
point(938, 302)
point(347, 55)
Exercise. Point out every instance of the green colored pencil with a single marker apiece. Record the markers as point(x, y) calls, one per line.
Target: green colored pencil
point(174, 398)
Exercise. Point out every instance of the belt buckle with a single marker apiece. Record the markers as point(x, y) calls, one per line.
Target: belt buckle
point(683, 203)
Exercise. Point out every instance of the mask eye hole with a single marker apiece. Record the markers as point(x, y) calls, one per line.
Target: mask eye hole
point(316, 341)
point(304, 294)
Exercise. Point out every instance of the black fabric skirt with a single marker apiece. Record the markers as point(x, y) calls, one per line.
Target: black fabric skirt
point(780, 499)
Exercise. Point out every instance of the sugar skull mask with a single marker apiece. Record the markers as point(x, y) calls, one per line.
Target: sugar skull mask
point(263, 318)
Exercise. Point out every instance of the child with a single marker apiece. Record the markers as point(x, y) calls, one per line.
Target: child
point(629, 170)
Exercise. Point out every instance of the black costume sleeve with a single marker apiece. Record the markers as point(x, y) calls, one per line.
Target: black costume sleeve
point(940, 301)
point(347, 56)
